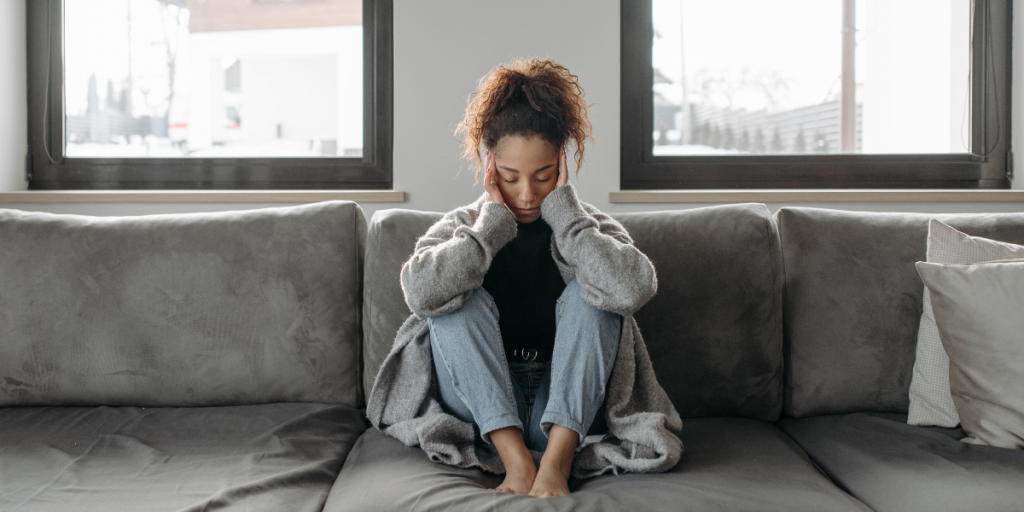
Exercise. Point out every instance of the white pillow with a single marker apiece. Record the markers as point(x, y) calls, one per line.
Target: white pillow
point(931, 402)
point(977, 308)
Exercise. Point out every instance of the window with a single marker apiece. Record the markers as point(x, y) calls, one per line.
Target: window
point(210, 94)
point(815, 94)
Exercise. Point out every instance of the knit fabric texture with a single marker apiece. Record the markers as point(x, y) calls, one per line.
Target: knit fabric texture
point(451, 260)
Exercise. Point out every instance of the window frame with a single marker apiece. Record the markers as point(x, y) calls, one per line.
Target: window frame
point(371, 171)
point(990, 127)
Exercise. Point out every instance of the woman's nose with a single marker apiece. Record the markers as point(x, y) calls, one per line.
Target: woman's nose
point(527, 195)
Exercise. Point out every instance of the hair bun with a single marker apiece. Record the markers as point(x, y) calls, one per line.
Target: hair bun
point(526, 97)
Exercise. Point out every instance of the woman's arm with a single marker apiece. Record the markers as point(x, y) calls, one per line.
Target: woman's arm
point(452, 258)
point(613, 274)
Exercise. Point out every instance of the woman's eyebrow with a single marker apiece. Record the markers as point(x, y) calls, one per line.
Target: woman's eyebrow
point(509, 169)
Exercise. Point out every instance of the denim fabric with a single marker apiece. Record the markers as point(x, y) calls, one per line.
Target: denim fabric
point(478, 385)
point(531, 382)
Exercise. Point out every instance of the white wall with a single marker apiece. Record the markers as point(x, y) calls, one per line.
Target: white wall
point(13, 96)
point(442, 48)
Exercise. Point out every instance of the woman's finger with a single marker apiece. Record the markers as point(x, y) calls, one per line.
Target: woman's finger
point(490, 182)
point(563, 169)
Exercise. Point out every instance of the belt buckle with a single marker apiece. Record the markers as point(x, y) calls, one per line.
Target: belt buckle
point(527, 355)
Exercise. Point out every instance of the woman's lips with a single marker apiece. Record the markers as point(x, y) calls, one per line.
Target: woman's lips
point(525, 211)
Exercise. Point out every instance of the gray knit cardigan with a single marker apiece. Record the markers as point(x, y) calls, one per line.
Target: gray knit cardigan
point(450, 261)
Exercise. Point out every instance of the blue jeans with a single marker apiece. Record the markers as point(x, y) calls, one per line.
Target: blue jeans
point(478, 385)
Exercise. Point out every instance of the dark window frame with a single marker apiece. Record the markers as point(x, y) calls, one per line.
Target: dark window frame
point(990, 128)
point(53, 171)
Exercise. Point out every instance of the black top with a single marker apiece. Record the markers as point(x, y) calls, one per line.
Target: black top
point(525, 284)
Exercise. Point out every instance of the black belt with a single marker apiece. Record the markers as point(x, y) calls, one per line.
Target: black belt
point(523, 355)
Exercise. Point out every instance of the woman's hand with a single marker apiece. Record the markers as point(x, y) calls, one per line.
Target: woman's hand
point(491, 182)
point(563, 169)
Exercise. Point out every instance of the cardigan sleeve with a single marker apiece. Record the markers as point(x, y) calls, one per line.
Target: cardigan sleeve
point(613, 274)
point(452, 258)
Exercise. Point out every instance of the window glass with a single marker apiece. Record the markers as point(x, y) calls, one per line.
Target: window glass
point(213, 78)
point(767, 76)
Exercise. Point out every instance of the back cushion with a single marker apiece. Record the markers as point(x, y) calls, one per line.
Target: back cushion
point(182, 310)
point(714, 330)
point(853, 303)
point(390, 241)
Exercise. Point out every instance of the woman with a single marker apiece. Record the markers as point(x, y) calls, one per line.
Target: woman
point(522, 340)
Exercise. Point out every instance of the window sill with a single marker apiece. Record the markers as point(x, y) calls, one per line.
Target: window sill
point(816, 196)
point(201, 196)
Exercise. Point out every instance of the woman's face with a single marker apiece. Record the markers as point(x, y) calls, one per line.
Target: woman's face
point(527, 171)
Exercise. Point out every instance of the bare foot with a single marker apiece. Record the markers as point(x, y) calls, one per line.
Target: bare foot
point(520, 471)
point(518, 480)
point(550, 482)
point(556, 464)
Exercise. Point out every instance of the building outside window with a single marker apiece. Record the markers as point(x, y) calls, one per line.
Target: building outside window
point(817, 93)
point(211, 94)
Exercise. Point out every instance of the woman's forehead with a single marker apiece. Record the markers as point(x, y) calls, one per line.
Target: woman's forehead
point(530, 154)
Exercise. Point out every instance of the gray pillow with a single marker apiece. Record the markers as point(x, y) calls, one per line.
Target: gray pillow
point(930, 399)
point(978, 313)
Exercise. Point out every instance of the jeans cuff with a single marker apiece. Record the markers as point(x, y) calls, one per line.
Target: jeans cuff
point(564, 420)
point(500, 421)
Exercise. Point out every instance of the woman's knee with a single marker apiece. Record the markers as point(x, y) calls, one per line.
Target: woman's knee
point(479, 305)
point(571, 293)
point(571, 298)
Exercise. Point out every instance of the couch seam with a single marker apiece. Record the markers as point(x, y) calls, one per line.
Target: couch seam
point(776, 311)
point(359, 271)
point(364, 311)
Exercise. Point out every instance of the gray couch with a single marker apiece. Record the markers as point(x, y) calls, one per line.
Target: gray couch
point(220, 361)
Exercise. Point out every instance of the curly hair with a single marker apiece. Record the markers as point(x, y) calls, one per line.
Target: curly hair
point(525, 97)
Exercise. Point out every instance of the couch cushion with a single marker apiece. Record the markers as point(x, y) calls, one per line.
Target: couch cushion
point(179, 310)
point(853, 303)
point(729, 464)
point(892, 466)
point(247, 458)
point(714, 330)
point(390, 240)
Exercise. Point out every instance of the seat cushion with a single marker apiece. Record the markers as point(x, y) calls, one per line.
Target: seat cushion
point(714, 329)
point(729, 464)
point(226, 308)
point(248, 458)
point(854, 301)
point(892, 466)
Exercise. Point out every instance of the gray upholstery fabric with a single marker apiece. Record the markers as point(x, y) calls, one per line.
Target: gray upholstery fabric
point(978, 313)
point(730, 464)
point(714, 329)
point(853, 303)
point(179, 310)
point(892, 466)
point(390, 241)
point(245, 458)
